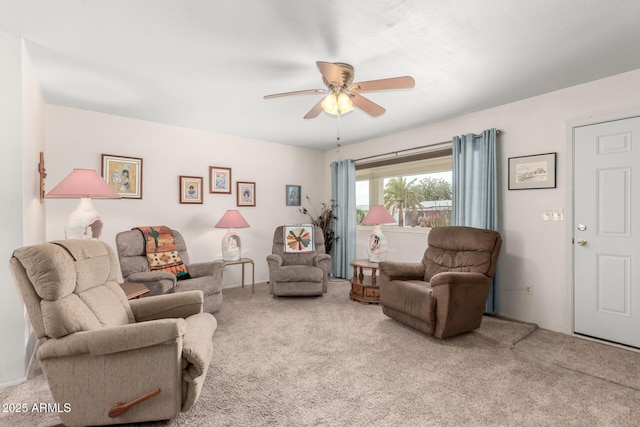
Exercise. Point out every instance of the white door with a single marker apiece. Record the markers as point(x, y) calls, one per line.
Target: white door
point(606, 234)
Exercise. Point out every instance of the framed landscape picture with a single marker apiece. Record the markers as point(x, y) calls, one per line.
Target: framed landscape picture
point(123, 174)
point(529, 172)
point(191, 189)
point(219, 180)
point(246, 193)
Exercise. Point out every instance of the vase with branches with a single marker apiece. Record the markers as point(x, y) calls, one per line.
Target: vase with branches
point(324, 219)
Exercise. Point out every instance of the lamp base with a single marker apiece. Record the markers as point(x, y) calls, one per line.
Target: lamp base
point(377, 249)
point(231, 246)
point(84, 222)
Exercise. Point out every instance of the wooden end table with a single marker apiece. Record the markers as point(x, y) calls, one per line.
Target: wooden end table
point(134, 290)
point(364, 288)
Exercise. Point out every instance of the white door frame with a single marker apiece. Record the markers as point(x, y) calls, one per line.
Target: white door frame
point(591, 119)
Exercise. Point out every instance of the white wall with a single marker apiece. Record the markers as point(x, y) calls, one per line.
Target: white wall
point(22, 216)
point(77, 138)
point(534, 252)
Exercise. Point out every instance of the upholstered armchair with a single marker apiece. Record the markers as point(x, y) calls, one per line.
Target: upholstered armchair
point(298, 274)
point(205, 276)
point(444, 294)
point(110, 360)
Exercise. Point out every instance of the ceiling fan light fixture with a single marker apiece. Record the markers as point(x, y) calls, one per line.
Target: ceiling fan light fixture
point(337, 104)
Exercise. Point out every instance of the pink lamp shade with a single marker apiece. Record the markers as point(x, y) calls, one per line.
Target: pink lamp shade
point(83, 183)
point(84, 222)
point(232, 219)
point(378, 214)
point(231, 243)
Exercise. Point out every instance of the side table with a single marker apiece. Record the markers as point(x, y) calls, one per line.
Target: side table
point(242, 261)
point(134, 290)
point(363, 287)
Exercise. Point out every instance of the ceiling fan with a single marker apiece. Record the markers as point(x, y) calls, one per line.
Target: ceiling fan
point(343, 94)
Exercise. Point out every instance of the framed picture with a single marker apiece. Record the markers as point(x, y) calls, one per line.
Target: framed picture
point(246, 193)
point(528, 172)
point(219, 180)
point(191, 189)
point(123, 174)
point(292, 195)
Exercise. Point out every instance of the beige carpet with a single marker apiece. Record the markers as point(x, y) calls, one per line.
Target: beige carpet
point(329, 361)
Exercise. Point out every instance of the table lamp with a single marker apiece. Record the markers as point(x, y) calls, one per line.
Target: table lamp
point(376, 216)
point(84, 184)
point(231, 245)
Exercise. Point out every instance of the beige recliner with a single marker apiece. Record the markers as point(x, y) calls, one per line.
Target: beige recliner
point(107, 359)
point(205, 276)
point(298, 274)
point(444, 294)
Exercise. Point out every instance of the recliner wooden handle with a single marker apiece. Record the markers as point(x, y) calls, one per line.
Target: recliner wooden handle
point(120, 407)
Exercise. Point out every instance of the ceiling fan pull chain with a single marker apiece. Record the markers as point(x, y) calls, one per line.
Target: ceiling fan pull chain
point(338, 138)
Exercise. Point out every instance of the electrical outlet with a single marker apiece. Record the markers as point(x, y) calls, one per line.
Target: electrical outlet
point(528, 289)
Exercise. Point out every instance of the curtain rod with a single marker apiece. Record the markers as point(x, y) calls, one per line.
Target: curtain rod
point(498, 132)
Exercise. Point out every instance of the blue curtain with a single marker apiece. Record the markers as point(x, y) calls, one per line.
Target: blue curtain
point(475, 189)
point(343, 198)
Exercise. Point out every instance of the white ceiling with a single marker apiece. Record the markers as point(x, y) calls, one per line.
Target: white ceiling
point(207, 64)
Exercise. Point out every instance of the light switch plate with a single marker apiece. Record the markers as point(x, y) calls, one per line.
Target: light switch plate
point(553, 215)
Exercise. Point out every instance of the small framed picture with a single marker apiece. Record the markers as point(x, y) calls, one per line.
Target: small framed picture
point(123, 174)
point(292, 195)
point(191, 189)
point(219, 180)
point(246, 193)
point(529, 172)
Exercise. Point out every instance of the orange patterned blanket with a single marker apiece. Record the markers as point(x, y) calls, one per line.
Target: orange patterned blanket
point(162, 252)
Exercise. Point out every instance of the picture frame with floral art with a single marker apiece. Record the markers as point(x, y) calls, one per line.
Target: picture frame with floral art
point(219, 180)
point(191, 189)
point(246, 193)
point(123, 174)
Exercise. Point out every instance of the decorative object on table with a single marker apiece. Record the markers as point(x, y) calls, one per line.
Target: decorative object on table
point(298, 238)
point(191, 189)
point(219, 180)
point(531, 172)
point(292, 195)
point(300, 273)
point(446, 292)
point(162, 252)
point(84, 184)
point(246, 193)
point(134, 265)
point(231, 243)
point(323, 220)
point(123, 174)
point(377, 216)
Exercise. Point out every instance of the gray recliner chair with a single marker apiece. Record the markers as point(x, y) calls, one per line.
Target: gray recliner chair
point(205, 276)
point(111, 360)
point(298, 274)
point(445, 294)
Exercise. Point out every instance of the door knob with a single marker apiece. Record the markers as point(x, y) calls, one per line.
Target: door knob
point(582, 242)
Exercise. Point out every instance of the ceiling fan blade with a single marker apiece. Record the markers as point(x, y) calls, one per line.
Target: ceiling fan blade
point(297, 92)
point(331, 73)
point(405, 82)
point(366, 105)
point(317, 109)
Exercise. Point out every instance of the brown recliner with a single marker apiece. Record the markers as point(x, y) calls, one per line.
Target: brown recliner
point(110, 360)
point(445, 294)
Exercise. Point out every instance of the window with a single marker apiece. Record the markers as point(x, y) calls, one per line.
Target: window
point(416, 189)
